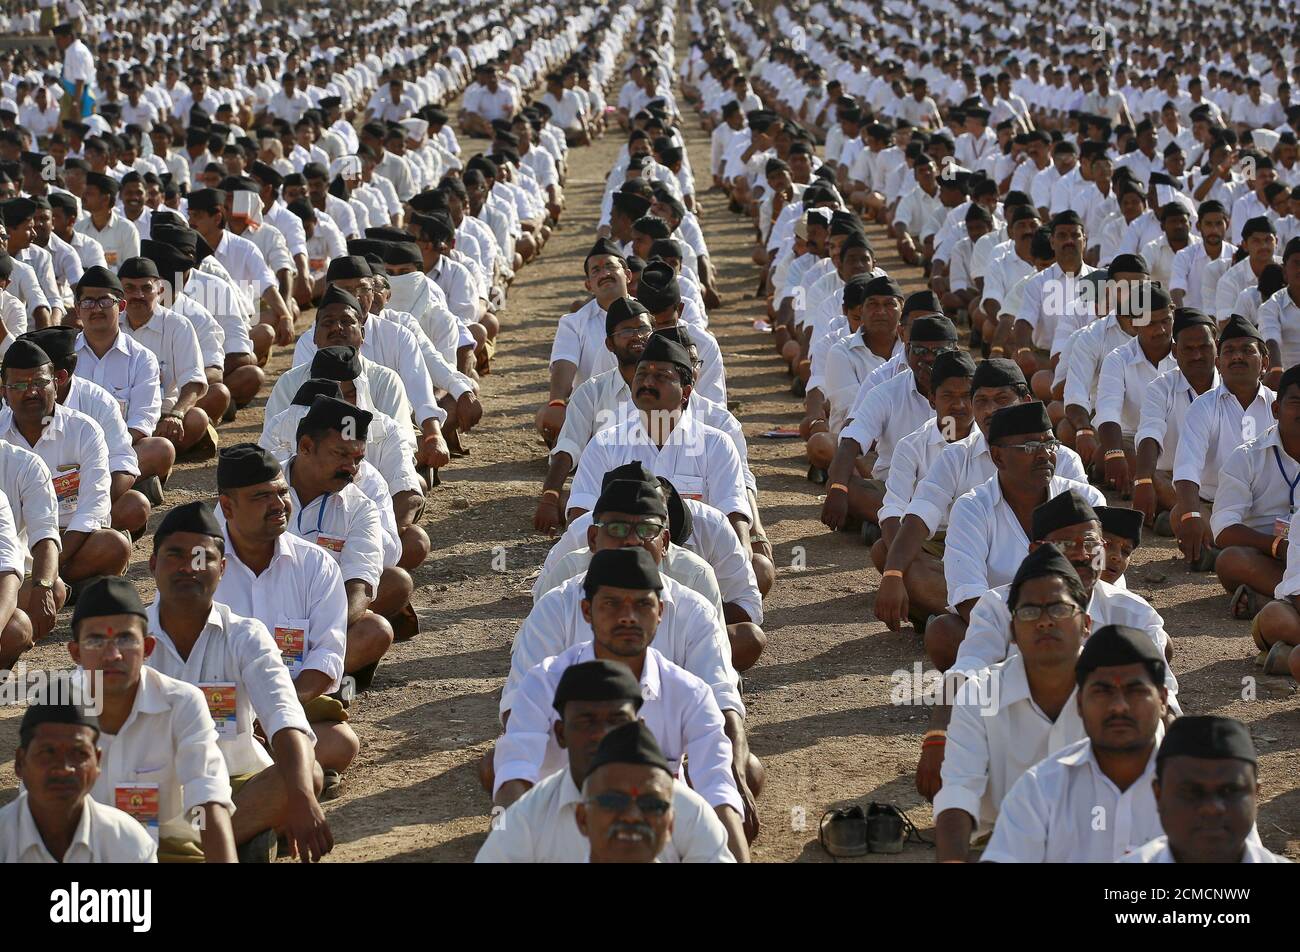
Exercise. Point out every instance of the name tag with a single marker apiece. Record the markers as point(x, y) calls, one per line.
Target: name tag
point(221, 697)
point(110, 257)
point(1281, 527)
point(316, 264)
point(67, 486)
point(329, 542)
point(140, 800)
point(292, 643)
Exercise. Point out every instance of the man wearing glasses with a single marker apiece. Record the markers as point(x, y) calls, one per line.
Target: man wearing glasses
point(622, 603)
point(73, 449)
point(884, 416)
point(594, 700)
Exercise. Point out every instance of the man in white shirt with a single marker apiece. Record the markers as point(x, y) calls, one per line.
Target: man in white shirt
point(1185, 279)
point(54, 819)
point(238, 666)
point(117, 236)
point(594, 698)
point(159, 759)
point(73, 449)
point(1202, 758)
point(1050, 814)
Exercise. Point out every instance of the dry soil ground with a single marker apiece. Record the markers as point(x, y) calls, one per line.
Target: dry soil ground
point(820, 714)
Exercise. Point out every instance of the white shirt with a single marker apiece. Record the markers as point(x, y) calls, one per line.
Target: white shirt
point(1126, 373)
point(1258, 486)
point(73, 450)
point(1157, 851)
point(580, 340)
point(1066, 810)
point(1235, 280)
point(347, 525)
point(996, 733)
point(679, 564)
point(914, 458)
point(885, 415)
point(1214, 426)
point(1049, 297)
point(678, 707)
point(964, 465)
point(1163, 410)
point(986, 543)
point(1279, 322)
point(690, 634)
point(103, 835)
point(239, 651)
point(301, 590)
point(173, 341)
point(30, 513)
point(848, 362)
point(118, 238)
point(378, 389)
point(1189, 269)
point(168, 739)
point(1082, 358)
point(699, 460)
point(541, 827)
point(129, 372)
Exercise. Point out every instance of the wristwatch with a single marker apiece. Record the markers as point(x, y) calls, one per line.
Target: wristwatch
point(37, 583)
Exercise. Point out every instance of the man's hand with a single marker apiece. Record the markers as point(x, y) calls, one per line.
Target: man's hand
point(548, 517)
point(433, 451)
point(308, 833)
point(1117, 474)
point(1086, 445)
point(468, 411)
point(1190, 533)
point(891, 602)
point(1144, 501)
point(170, 428)
point(928, 768)
point(835, 511)
point(41, 610)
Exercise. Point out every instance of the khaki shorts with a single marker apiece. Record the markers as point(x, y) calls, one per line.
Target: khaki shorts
point(874, 485)
point(935, 545)
point(175, 849)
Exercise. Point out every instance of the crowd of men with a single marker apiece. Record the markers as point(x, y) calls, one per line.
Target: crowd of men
point(1104, 312)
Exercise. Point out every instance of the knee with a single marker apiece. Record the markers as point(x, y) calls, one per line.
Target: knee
point(490, 324)
point(131, 511)
point(371, 635)
point(1056, 411)
point(396, 582)
point(15, 638)
point(943, 636)
point(879, 553)
point(790, 352)
point(821, 450)
point(1273, 620)
point(764, 572)
point(755, 775)
point(415, 547)
point(1042, 384)
point(747, 643)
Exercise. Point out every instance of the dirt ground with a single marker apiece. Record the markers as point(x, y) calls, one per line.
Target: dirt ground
point(820, 714)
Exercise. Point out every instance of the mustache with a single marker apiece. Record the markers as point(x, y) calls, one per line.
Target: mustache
point(650, 390)
point(618, 828)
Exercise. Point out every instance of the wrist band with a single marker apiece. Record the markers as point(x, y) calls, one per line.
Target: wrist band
point(1277, 540)
point(937, 742)
point(997, 349)
point(1144, 481)
point(557, 403)
point(930, 735)
point(892, 573)
point(551, 492)
point(1114, 454)
point(1024, 350)
point(1090, 432)
point(1190, 515)
point(840, 486)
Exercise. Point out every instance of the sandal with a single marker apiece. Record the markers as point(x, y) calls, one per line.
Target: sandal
point(1245, 603)
point(1278, 660)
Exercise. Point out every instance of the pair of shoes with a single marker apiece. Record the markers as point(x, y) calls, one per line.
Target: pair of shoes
point(260, 849)
point(1245, 603)
point(881, 828)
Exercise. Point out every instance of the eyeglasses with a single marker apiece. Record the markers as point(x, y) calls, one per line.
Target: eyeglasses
point(100, 303)
point(22, 386)
point(1088, 544)
point(620, 529)
point(1033, 447)
point(617, 802)
point(1056, 610)
point(122, 642)
point(632, 333)
point(920, 350)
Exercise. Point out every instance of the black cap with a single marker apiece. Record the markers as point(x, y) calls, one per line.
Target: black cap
point(633, 497)
point(139, 267)
point(931, 328)
point(955, 363)
point(1067, 509)
point(1128, 263)
point(335, 295)
point(24, 355)
point(107, 595)
point(16, 211)
point(657, 287)
point(1208, 738)
point(245, 464)
point(1019, 418)
point(58, 341)
point(603, 246)
point(41, 713)
point(660, 349)
point(998, 372)
point(1121, 521)
point(918, 301)
point(315, 387)
point(598, 680)
point(336, 363)
point(333, 413)
point(195, 517)
point(1114, 645)
point(1257, 226)
point(630, 743)
point(1185, 317)
point(1237, 326)
point(632, 204)
point(348, 266)
point(97, 276)
point(632, 567)
point(622, 309)
point(680, 521)
point(1043, 561)
point(206, 200)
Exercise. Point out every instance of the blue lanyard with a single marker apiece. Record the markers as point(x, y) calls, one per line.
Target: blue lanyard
point(1291, 484)
point(320, 515)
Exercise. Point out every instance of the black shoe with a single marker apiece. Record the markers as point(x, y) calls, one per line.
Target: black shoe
point(799, 388)
point(870, 533)
point(229, 415)
point(364, 677)
point(886, 828)
point(843, 832)
point(818, 476)
point(151, 489)
point(260, 849)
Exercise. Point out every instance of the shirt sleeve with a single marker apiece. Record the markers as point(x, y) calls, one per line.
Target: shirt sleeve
point(1154, 421)
point(326, 635)
point(1181, 271)
point(541, 636)
point(92, 493)
point(187, 355)
point(698, 835)
point(568, 342)
point(1020, 835)
point(1194, 439)
point(1235, 497)
point(904, 472)
point(988, 636)
point(521, 750)
point(270, 689)
point(1270, 320)
point(200, 766)
point(585, 488)
point(966, 555)
point(965, 772)
point(580, 423)
point(362, 557)
point(1110, 389)
point(708, 749)
point(511, 839)
point(724, 479)
point(1289, 587)
point(933, 497)
point(708, 650)
point(415, 376)
point(144, 406)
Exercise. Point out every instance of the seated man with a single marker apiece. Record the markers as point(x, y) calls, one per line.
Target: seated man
point(656, 290)
point(880, 419)
point(202, 641)
point(173, 341)
point(1254, 505)
point(131, 506)
point(125, 368)
point(1217, 422)
point(28, 607)
point(1008, 717)
point(594, 699)
point(57, 763)
point(73, 450)
point(1121, 530)
point(153, 728)
point(1163, 411)
point(1200, 758)
point(621, 604)
point(1050, 813)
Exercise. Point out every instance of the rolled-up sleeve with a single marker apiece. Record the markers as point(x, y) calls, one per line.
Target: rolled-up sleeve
point(568, 342)
point(39, 505)
point(708, 649)
point(965, 772)
point(93, 506)
point(580, 423)
point(1270, 319)
point(200, 766)
point(1082, 368)
point(1234, 498)
point(987, 637)
point(594, 464)
point(327, 639)
point(1110, 389)
point(270, 689)
point(932, 499)
point(541, 636)
point(1020, 835)
point(725, 476)
point(966, 554)
point(904, 473)
point(1194, 439)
